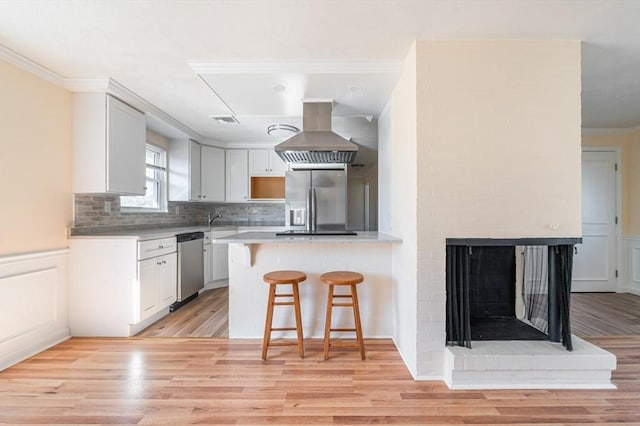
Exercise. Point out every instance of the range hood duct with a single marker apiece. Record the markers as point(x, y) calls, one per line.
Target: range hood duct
point(317, 143)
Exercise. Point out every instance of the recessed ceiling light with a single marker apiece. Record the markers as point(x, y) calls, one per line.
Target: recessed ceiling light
point(279, 88)
point(355, 88)
point(282, 130)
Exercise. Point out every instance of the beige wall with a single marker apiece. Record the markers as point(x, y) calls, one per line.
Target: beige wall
point(498, 156)
point(629, 144)
point(35, 162)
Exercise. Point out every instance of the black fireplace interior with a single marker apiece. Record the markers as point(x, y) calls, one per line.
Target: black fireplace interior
point(481, 290)
point(492, 296)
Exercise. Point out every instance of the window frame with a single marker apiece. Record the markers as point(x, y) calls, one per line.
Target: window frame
point(162, 189)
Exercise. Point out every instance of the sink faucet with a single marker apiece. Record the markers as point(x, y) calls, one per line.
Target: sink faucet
point(211, 217)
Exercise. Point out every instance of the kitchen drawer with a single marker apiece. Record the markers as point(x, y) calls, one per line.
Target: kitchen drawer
point(151, 248)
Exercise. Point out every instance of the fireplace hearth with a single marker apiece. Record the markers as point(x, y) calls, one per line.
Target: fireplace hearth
point(488, 300)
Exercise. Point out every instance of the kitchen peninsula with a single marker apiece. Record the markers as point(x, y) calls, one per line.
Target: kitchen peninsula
point(252, 254)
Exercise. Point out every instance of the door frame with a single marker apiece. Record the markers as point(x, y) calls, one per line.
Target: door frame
point(618, 246)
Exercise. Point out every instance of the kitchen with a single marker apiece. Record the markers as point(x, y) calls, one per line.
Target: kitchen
point(424, 95)
point(195, 172)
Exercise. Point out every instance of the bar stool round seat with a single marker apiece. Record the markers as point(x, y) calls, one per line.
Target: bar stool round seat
point(275, 278)
point(343, 278)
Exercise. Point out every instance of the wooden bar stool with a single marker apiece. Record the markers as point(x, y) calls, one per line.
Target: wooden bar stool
point(342, 278)
point(275, 278)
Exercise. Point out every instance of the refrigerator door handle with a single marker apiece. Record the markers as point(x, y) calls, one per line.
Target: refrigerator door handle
point(314, 210)
point(309, 210)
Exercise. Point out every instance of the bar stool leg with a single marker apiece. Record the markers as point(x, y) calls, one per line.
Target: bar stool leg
point(269, 320)
point(296, 305)
point(356, 315)
point(327, 322)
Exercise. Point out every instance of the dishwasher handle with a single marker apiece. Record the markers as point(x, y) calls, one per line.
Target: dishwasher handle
point(189, 236)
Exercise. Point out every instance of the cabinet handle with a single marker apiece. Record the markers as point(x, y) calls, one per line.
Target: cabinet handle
point(160, 246)
point(164, 262)
point(158, 263)
point(204, 196)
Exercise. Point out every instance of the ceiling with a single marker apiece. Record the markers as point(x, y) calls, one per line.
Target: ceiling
point(257, 59)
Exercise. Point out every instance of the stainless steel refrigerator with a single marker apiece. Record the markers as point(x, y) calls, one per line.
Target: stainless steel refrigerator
point(316, 199)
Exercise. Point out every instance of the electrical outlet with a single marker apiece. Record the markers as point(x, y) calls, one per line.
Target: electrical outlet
point(107, 206)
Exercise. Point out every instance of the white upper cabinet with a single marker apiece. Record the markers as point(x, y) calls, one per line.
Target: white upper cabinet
point(109, 140)
point(184, 170)
point(265, 162)
point(196, 172)
point(212, 162)
point(195, 180)
point(237, 171)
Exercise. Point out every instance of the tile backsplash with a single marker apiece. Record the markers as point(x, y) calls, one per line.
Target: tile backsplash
point(101, 212)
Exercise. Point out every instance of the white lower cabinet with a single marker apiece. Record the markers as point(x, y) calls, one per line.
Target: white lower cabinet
point(208, 260)
point(120, 286)
point(156, 285)
point(220, 261)
point(220, 256)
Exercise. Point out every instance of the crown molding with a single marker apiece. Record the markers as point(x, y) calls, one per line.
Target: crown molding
point(111, 86)
point(604, 131)
point(296, 67)
point(100, 85)
point(33, 67)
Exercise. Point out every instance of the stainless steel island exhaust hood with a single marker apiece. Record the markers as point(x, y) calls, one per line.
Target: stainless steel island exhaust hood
point(317, 143)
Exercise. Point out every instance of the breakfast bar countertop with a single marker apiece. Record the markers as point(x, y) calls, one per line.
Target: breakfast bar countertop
point(272, 238)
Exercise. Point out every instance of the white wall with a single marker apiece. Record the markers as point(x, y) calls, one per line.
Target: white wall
point(479, 139)
point(397, 193)
point(499, 154)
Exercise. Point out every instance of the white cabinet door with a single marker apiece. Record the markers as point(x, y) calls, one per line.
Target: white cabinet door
point(213, 174)
point(237, 171)
point(195, 190)
point(265, 162)
point(147, 289)
point(126, 136)
point(109, 140)
point(277, 166)
point(220, 261)
point(208, 259)
point(167, 280)
point(259, 162)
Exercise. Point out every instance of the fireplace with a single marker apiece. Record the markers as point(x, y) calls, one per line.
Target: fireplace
point(492, 295)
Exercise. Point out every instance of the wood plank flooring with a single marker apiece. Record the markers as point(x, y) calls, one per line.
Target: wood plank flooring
point(219, 381)
point(592, 314)
point(605, 314)
point(205, 316)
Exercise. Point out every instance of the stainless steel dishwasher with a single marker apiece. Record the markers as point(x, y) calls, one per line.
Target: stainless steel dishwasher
point(190, 267)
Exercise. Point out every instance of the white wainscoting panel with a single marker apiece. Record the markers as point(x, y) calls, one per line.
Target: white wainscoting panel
point(631, 267)
point(33, 303)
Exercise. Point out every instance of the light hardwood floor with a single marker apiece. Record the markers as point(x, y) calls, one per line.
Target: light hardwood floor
point(605, 314)
point(218, 381)
point(205, 316)
point(592, 314)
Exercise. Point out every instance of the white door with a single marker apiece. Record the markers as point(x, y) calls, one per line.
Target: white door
point(594, 261)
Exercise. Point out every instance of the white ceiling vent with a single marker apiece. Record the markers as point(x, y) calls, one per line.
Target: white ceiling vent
point(225, 119)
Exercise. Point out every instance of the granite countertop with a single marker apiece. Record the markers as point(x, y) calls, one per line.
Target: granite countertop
point(271, 238)
point(153, 233)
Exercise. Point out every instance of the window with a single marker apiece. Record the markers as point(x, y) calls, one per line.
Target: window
point(156, 195)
